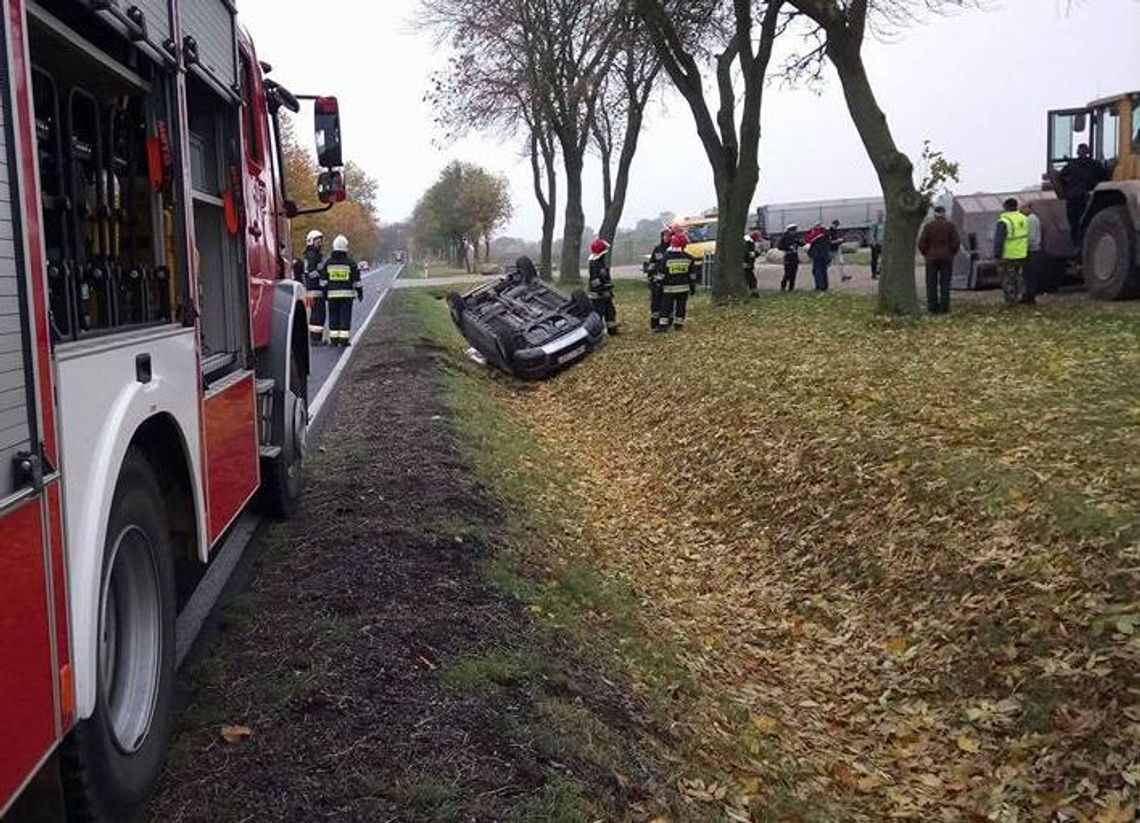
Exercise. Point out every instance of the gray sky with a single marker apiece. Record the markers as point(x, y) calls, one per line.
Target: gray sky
point(977, 85)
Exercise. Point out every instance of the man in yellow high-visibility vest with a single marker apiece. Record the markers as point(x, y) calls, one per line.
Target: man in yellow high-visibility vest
point(1011, 249)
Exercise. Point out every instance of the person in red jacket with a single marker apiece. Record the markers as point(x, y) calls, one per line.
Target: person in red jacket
point(819, 250)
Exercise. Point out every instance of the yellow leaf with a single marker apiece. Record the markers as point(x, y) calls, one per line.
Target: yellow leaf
point(235, 734)
point(765, 724)
point(896, 645)
point(968, 745)
point(1115, 813)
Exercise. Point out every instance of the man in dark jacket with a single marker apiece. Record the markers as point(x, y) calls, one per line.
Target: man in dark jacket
point(1078, 178)
point(650, 267)
point(835, 239)
point(819, 250)
point(939, 243)
point(790, 245)
point(601, 291)
point(340, 278)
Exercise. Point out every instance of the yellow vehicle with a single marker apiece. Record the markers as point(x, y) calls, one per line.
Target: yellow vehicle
point(701, 232)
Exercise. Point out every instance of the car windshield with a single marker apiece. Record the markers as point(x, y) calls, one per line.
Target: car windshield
point(701, 233)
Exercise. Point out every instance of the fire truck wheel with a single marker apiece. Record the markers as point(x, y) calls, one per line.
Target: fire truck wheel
point(1107, 258)
point(282, 477)
point(112, 759)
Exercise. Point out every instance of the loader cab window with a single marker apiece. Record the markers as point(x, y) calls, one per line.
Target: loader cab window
point(1108, 129)
point(1067, 131)
point(1135, 129)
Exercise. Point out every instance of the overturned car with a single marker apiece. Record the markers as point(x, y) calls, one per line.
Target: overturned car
point(525, 327)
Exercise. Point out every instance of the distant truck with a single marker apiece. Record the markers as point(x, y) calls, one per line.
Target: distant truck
point(856, 216)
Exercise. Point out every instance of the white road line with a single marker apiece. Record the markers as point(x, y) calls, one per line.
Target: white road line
point(318, 404)
point(197, 609)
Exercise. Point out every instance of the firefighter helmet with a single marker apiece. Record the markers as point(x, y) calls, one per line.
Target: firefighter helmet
point(678, 240)
point(313, 236)
point(340, 243)
point(599, 246)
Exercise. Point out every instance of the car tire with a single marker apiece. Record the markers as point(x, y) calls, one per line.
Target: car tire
point(111, 760)
point(283, 476)
point(1108, 255)
point(580, 304)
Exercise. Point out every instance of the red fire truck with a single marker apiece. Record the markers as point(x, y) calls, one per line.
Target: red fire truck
point(153, 363)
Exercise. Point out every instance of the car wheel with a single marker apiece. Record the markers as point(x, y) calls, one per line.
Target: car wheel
point(282, 479)
point(112, 759)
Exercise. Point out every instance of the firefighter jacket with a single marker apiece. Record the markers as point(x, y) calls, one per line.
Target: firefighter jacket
point(653, 264)
point(601, 285)
point(311, 263)
point(677, 272)
point(340, 277)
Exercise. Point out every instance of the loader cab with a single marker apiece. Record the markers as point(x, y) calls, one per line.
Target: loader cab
point(1110, 127)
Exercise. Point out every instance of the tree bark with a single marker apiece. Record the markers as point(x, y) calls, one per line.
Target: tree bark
point(547, 200)
point(616, 204)
point(904, 205)
point(574, 223)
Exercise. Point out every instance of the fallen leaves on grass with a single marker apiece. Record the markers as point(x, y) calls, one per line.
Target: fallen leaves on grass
point(920, 541)
point(235, 734)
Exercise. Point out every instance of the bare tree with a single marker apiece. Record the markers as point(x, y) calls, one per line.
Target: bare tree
point(564, 49)
point(840, 30)
point(677, 29)
point(483, 88)
point(620, 115)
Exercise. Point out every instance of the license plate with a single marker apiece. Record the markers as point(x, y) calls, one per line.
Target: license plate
point(572, 354)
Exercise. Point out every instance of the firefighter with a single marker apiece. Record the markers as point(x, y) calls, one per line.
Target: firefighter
point(340, 279)
point(1011, 248)
point(601, 291)
point(678, 277)
point(311, 276)
point(650, 268)
point(751, 252)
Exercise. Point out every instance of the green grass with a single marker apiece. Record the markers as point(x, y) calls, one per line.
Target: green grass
point(560, 800)
point(494, 670)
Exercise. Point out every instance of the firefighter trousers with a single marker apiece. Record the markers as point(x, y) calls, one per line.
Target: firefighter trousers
point(340, 320)
point(316, 314)
point(604, 306)
point(654, 304)
point(674, 306)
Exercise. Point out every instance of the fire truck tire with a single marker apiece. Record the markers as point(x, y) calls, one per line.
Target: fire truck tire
point(282, 478)
point(1108, 255)
point(112, 759)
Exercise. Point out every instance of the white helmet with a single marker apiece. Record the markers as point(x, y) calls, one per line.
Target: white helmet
point(340, 243)
point(313, 236)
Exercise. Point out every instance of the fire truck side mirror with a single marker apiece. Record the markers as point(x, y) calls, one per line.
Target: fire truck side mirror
point(330, 187)
point(326, 126)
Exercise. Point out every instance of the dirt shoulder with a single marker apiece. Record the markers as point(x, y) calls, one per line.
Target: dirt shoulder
point(374, 670)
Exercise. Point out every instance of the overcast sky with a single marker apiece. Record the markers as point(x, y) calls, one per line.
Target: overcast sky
point(977, 85)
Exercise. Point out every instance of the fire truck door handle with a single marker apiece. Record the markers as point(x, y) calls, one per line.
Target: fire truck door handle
point(29, 470)
point(143, 371)
point(255, 230)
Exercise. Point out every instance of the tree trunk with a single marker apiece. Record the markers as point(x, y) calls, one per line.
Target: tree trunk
point(616, 205)
point(487, 247)
point(569, 269)
point(734, 201)
point(905, 206)
point(547, 200)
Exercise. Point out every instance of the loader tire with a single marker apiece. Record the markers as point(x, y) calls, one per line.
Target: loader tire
point(1109, 254)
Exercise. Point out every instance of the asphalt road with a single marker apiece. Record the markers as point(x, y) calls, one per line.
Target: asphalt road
point(323, 359)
